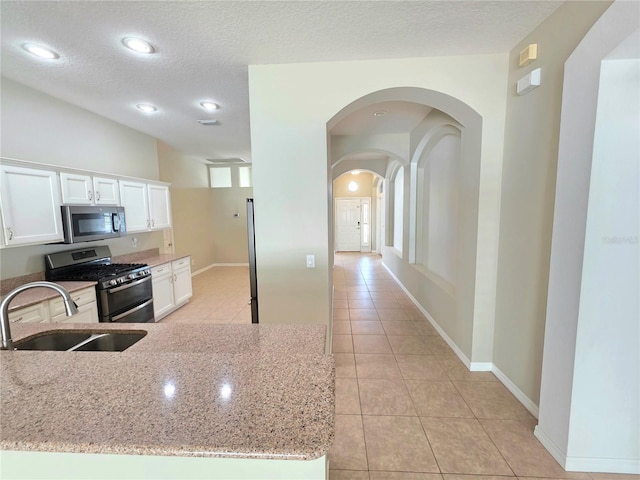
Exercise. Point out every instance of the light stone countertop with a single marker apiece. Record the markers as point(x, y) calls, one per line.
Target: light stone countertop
point(241, 391)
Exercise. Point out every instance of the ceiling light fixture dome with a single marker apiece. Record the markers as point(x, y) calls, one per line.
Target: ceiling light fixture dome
point(353, 186)
point(209, 106)
point(146, 107)
point(138, 45)
point(40, 51)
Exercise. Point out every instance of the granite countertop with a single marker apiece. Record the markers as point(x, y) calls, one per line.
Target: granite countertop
point(160, 259)
point(241, 391)
point(37, 295)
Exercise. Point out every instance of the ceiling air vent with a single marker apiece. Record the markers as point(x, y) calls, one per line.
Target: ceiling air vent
point(222, 161)
point(208, 123)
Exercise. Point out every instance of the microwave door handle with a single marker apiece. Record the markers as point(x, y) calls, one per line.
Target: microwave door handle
point(115, 221)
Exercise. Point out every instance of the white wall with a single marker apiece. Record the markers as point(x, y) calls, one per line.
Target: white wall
point(443, 164)
point(290, 107)
point(40, 128)
point(605, 410)
point(590, 392)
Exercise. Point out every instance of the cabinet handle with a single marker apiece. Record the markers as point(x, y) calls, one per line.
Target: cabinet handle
point(98, 195)
point(90, 195)
point(175, 277)
point(153, 224)
point(10, 233)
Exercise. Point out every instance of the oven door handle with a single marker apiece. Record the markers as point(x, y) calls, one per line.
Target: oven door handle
point(128, 285)
point(133, 310)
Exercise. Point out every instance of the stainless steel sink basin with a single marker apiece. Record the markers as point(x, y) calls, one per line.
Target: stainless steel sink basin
point(110, 342)
point(59, 341)
point(81, 342)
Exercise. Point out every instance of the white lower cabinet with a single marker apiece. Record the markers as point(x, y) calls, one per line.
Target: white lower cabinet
point(162, 281)
point(87, 308)
point(52, 311)
point(171, 286)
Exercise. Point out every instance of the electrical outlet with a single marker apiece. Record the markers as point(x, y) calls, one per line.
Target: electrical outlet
point(311, 261)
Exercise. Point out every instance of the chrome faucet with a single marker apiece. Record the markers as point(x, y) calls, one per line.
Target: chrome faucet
point(69, 306)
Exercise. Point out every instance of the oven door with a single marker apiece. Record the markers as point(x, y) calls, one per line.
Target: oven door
point(139, 314)
point(117, 301)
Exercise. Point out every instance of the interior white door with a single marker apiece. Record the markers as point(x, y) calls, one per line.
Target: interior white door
point(347, 225)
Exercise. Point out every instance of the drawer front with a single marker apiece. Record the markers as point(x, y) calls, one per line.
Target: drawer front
point(87, 313)
point(33, 314)
point(81, 297)
point(181, 263)
point(161, 270)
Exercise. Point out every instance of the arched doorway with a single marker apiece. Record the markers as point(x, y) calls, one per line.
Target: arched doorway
point(431, 186)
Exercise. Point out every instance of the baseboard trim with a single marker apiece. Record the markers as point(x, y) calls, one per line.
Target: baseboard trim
point(432, 321)
point(481, 367)
point(472, 366)
point(555, 451)
point(519, 394)
point(587, 464)
point(209, 267)
point(603, 465)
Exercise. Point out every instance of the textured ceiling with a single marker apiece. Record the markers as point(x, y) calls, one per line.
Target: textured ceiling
point(204, 48)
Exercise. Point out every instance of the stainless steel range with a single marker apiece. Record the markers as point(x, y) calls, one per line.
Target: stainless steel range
point(123, 292)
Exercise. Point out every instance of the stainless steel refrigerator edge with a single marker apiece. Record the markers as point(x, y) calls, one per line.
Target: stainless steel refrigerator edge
point(253, 280)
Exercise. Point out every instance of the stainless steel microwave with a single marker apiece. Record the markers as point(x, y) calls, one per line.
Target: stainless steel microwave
point(88, 223)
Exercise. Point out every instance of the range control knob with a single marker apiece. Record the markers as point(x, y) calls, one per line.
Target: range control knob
point(120, 279)
point(112, 282)
point(147, 272)
point(131, 276)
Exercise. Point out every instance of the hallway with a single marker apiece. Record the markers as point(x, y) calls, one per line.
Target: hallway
point(407, 407)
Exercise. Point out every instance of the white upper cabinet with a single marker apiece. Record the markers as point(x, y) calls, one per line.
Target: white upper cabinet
point(159, 206)
point(86, 190)
point(146, 206)
point(106, 191)
point(133, 197)
point(30, 201)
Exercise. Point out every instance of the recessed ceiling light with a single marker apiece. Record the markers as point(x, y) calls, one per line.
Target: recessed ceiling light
point(146, 108)
point(380, 113)
point(209, 106)
point(138, 45)
point(40, 51)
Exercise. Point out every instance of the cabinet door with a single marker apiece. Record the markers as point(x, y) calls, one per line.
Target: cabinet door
point(86, 314)
point(30, 201)
point(76, 189)
point(106, 191)
point(182, 282)
point(162, 295)
point(133, 197)
point(159, 206)
point(33, 314)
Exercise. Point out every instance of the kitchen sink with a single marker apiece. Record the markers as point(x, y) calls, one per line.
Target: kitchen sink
point(58, 341)
point(81, 342)
point(110, 342)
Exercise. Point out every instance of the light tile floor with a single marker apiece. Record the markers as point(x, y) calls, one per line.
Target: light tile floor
point(406, 406)
point(220, 295)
